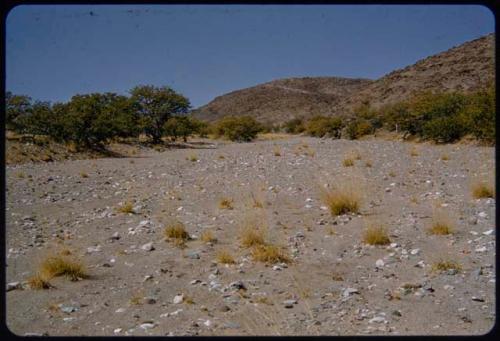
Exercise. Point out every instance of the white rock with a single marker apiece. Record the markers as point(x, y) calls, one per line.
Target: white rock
point(415, 251)
point(147, 325)
point(178, 299)
point(482, 215)
point(148, 247)
point(207, 323)
point(481, 249)
point(117, 330)
point(377, 319)
point(379, 263)
point(349, 291)
point(394, 245)
point(309, 200)
point(489, 232)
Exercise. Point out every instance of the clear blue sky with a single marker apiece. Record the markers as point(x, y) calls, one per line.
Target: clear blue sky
point(54, 52)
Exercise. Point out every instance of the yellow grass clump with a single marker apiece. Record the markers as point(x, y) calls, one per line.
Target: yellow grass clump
point(38, 282)
point(176, 231)
point(127, 207)
point(224, 257)
point(56, 266)
point(348, 162)
point(445, 265)
point(208, 237)
point(252, 236)
point(341, 200)
point(376, 235)
point(483, 190)
point(269, 254)
point(226, 203)
point(441, 223)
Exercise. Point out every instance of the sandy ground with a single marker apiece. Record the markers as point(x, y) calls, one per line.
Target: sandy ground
point(335, 285)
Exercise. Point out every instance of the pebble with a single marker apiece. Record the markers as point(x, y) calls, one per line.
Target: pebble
point(379, 263)
point(289, 303)
point(13, 286)
point(482, 215)
point(231, 325)
point(415, 252)
point(481, 249)
point(147, 325)
point(178, 299)
point(148, 247)
point(377, 319)
point(193, 255)
point(349, 291)
point(489, 232)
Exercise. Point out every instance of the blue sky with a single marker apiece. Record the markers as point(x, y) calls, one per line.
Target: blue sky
point(54, 52)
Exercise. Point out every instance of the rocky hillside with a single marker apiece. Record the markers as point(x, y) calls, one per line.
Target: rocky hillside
point(282, 99)
point(465, 67)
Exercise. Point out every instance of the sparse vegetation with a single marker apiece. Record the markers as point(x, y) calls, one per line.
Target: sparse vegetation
point(269, 254)
point(319, 126)
point(348, 162)
point(127, 208)
point(445, 265)
point(441, 224)
point(224, 257)
point(38, 282)
point(368, 164)
point(483, 190)
point(84, 175)
point(445, 157)
point(176, 231)
point(341, 200)
point(56, 266)
point(252, 236)
point(376, 235)
point(193, 157)
point(208, 237)
point(226, 203)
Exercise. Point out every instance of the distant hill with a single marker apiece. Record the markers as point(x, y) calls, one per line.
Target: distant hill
point(465, 68)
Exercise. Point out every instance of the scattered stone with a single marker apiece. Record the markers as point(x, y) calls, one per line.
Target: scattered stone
point(477, 299)
point(13, 286)
point(237, 285)
point(415, 252)
point(289, 303)
point(489, 233)
point(349, 291)
point(231, 325)
point(178, 299)
point(149, 300)
point(193, 255)
point(148, 247)
point(379, 263)
point(481, 249)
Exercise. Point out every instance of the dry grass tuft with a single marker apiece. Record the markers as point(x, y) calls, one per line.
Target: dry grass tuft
point(376, 235)
point(176, 231)
point(208, 237)
point(269, 254)
point(221, 157)
point(341, 200)
point(21, 175)
point(445, 265)
point(226, 203)
point(441, 223)
point(445, 157)
point(127, 207)
point(252, 236)
point(56, 266)
point(368, 164)
point(348, 162)
point(392, 174)
point(224, 257)
point(84, 175)
point(483, 190)
point(277, 151)
point(192, 158)
point(38, 282)
point(414, 152)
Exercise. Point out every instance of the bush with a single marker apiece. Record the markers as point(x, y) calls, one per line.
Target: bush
point(294, 126)
point(359, 127)
point(479, 114)
point(179, 126)
point(238, 128)
point(15, 106)
point(320, 126)
point(443, 129)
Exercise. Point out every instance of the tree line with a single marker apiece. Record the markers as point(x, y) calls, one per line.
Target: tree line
point(90, 120)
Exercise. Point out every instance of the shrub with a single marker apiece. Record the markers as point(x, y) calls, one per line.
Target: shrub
point(251, 237)
point(238, 128)
point(179, 126)
point(320, 126)
point(479, 114)
point(443, 129)
point(348, 162)
point(127, 207)
point(208, 237)
point(295, 126)
point(38, 282)
point(441, 224)
point(358, 128)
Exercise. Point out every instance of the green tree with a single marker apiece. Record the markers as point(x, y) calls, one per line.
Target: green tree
point(15, 107)
point(156, 105)
point(479, 115)
point(295, 126)
point(179, 126)
point(320, 126)
point(92, 119)
point(238, 128)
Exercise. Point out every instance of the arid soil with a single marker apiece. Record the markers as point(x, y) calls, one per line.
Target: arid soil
point(335, 284)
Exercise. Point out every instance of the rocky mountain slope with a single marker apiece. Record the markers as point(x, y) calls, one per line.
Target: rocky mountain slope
point(462, 68)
